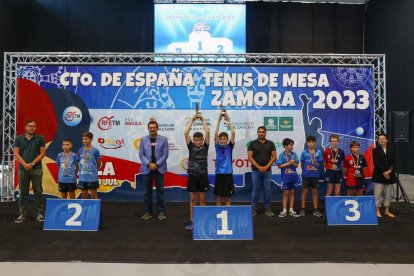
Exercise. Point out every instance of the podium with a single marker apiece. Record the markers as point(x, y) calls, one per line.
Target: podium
point(351, 210)
point(222, 223)
point(72, 214)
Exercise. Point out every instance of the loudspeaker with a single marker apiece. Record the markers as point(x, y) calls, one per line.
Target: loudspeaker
point(399, 124)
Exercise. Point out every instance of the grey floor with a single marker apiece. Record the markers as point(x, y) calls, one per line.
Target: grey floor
point(107, 269)
point(311, 269)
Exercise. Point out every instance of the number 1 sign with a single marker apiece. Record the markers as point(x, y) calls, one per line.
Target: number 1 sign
point(351, 210)
point(223, 223)
point(72, 214)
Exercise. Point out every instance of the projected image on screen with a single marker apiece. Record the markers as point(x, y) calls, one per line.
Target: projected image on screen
point(200, 28)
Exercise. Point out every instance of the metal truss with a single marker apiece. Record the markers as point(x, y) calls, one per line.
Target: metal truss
point(13, 60)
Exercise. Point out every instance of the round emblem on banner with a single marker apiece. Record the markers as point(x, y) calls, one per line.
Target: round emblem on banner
point(351, 76)
point(72, 116)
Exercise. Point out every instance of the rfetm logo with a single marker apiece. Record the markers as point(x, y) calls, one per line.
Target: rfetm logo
point(72, 116)
point(106, 123)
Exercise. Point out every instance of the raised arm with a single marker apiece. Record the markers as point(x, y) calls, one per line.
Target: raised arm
point(233, 131)
point(216, 133)
point(206, 129)
point(187, 130)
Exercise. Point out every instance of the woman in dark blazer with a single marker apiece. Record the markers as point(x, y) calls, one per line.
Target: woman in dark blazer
point(384, 174)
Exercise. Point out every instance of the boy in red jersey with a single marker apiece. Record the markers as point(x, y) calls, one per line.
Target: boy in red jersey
point(332, 161)
point(354, 165)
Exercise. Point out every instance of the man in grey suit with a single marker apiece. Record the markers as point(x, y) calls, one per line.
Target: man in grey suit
point(153, 152)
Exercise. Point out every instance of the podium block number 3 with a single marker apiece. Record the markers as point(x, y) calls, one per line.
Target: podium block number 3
point(353, 209)
point(78, 210)
point(224, 224)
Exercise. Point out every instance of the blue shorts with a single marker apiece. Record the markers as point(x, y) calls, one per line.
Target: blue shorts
point(88, 185)
point(288, 185)
point(67, 187)
point(334, 177)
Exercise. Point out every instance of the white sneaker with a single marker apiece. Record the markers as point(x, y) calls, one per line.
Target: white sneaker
point(283, 214)
point(292, 213)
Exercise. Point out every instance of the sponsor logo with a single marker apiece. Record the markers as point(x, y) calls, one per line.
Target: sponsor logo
point(72, 116)
point(197, 122)
point(285, 123)
point(133, 122)
point(106, 123)
point(107, 143)
point(136, 143)
point(166, 127)
point(242, 125)
point(270, 123)
point(172, 147)
point(184, 164)
point(241, 163)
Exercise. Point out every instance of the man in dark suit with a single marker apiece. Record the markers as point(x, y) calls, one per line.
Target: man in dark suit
point(153, 152)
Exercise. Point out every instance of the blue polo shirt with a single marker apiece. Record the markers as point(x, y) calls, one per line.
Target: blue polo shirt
point(288, 174)
point(224, 157)
point(311, 169)
point(88, 164)
point(67, 167)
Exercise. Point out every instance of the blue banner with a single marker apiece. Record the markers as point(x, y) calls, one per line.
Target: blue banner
point(116, 103)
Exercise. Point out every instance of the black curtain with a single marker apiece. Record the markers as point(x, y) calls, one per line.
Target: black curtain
point(128, 26)
point(389, 29)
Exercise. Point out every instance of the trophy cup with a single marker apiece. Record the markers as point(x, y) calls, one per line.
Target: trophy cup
point(223, 114)
point(198, 113)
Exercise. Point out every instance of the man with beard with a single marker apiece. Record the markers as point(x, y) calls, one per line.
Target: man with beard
point(153, 152)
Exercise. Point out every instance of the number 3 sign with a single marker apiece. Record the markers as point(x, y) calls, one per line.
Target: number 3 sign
point(351, 210)
point(223, 223)
point(72, 215)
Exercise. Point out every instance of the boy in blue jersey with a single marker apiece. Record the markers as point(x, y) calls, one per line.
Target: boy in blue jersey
point(224, 183)
point(66, 162)
point(89, 161)
point(287, 163)
point(311, 159)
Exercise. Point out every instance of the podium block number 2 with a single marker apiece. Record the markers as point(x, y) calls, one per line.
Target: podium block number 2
point(72, 214)
point(72, 220)
point(224, 224)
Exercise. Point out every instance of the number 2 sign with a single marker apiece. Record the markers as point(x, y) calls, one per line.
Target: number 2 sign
point(351, 210)
point(72, 215)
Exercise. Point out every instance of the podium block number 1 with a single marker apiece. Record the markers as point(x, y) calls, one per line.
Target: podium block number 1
point(224, 224)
